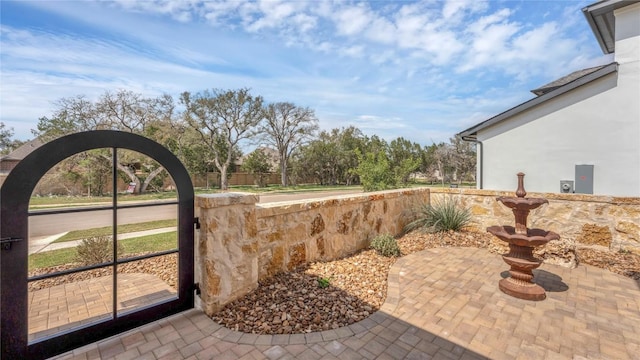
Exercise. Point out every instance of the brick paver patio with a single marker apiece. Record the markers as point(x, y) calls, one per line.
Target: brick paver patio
point(77, 303)
point(442, 304)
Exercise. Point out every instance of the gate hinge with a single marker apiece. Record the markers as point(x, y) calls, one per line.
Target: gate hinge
point(6, 242)
point(196, 287)
point(196, 221)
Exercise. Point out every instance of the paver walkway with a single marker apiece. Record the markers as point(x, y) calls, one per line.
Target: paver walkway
point(442, 304)
point(73, 304)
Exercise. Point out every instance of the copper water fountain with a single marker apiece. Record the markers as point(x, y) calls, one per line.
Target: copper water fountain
point(522, 241)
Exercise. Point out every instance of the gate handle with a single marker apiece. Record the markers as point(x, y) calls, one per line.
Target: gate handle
point(6, 242)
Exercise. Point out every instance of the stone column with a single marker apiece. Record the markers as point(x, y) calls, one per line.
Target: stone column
point(227, 248)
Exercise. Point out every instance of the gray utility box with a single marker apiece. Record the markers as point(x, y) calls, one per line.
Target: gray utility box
point(584, 179)
point(566, 186)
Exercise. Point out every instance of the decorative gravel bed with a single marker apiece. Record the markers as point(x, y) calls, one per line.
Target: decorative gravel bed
point(294, 302)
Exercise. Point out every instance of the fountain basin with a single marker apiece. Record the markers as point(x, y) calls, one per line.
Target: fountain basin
point(533, 237)
point(521, 203)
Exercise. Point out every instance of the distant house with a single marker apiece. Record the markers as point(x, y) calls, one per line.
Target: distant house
point(9, 161)
point(582, 132)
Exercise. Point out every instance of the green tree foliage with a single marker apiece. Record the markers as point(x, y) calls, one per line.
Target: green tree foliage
point(374, 171)
point(331, 157)
point(95, 170)
point(405, 159)
point(7, 142)
point(319, 159)
point(223, 118)
point(257, 164)
point(208, 134)
point(286, 128)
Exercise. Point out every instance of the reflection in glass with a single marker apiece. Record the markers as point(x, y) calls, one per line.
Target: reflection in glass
point(142, 178)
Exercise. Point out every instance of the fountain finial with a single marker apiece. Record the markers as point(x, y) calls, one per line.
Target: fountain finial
point(520, 191)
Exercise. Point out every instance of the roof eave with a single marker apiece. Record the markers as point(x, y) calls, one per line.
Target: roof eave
point(472, 131)
point(597, 31)
point(601, 19)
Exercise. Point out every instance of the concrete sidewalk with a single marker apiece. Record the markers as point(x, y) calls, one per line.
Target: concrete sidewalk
point(46, 243)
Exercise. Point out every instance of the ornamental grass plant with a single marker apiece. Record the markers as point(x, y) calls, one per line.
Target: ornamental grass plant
point(443, 215)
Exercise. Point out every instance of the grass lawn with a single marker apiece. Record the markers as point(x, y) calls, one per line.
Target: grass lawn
point(39, 202)
point(149, 243)
point(122, 229)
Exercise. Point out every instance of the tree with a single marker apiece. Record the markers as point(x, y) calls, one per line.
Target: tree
point(374, 170)
point(464, 159)
point(286, 127)
point(331, 158)
point(131, 112)
point(349, 140)
point(223, 119)
point(257, 164)
point(405, 159)
point(7, 143)
point(185, 143)
point(124, 110)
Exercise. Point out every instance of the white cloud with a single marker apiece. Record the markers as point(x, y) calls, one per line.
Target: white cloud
point(352, 20)
point(382, 31)
point(355, 51)
point(178, 10)
point(455, 8)
point(272, 14)
point(417, 69)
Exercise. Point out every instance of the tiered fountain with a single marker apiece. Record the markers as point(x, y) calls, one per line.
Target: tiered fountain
point(522, 241)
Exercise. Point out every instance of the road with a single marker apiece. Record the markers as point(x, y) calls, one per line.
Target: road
point(52, 224)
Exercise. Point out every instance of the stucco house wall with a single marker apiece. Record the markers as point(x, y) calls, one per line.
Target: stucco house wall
point(596, 123)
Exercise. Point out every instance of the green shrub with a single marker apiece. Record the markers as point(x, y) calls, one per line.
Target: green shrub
point(324, 282)
point(385, 245)
point(442, 216)
point(96, 250)
point(374, 171)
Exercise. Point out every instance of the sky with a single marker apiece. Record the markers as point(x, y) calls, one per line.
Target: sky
point(422, 70)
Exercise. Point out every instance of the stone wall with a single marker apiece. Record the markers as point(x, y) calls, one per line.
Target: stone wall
point(240, 241)
point(579, 219)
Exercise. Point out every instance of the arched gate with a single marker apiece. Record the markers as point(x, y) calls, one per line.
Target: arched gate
point(15, 196)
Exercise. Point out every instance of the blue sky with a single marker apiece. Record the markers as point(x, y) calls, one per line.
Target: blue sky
point(423, 70)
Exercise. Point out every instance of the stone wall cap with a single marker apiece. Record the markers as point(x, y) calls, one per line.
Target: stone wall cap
point(226, 199)
point(549, 196)
point(283, 207)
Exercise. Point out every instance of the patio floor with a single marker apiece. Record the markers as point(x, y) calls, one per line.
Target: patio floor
point(442, 303)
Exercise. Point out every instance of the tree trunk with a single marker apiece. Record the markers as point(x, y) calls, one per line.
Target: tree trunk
point(132, 176)
point(283, 173)
point(151, 176)
point(224, 182)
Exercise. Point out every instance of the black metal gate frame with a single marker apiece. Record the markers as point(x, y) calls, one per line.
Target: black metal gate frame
point(15, 195)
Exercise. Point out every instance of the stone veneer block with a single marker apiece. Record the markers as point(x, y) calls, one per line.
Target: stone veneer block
point(227, 248)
